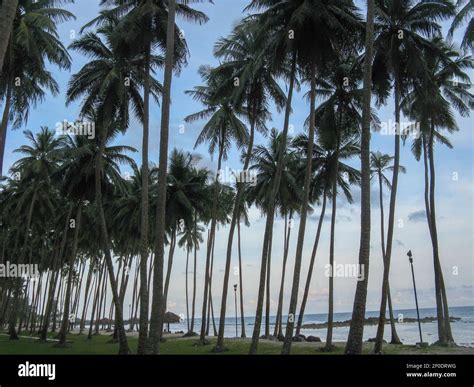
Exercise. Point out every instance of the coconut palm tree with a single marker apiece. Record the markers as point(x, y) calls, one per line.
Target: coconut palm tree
point(25, 79)
point(379, 164)
point(186, 193)
point(107, 101)
point(41, 158)
point(403, 31)
point(447, 85)
point(356, 330)
point(465, 11)
point(256, 85)
point(298, 18)
point(144, 25)
point(223, 127)
point(264, 164)
point(76, 174)
point(191, 238)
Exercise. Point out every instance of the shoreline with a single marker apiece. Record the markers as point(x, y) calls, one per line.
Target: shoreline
point(374, 321)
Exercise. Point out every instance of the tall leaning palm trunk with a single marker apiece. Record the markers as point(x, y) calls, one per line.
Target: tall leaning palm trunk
point(241, 284)
point(193, 308)
point(7, 15)
point(144, 227)
point(395, 339)
point(311, 265)
point(391, 222)
point(303, 215)
point(123, 343)
point(4, 123)
point(235, 219)
point(209, 251)
point(67, 299)
point(158, 307)
point(445, 335)
point(329, 346)
point(279, 316)
point(356, 330)
point(271, 210)
point(187, 288)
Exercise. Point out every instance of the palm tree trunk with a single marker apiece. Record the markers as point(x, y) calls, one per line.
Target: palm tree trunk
point(210, 243)
point(101, 293)
point(144, 227)
point(395, 338)
point(267, 291)
point(65, 321)
point(96, 300)
point(56, 303)
point(303, 215)
point(391, 221)
point(8, 10)
point(241, 284)
point(131, 324)
point(4, 123)
point(187, 292)
point(311, 265)
point(271, 211)
point(279, 317)
point(235, 218)
point(211, 311)
point(86, 299)
point(439, 284)
point(170, 266)
point(158, 306)
point(356, 330)
point(210, 308)
point(123, 343)
point(329, 346)
point(77, 297)
point(194, 281)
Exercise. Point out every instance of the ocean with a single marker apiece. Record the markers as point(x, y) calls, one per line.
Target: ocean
point(463, 330)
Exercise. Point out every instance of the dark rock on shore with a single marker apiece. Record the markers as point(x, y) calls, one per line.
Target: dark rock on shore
point(299, 338)
point(190, 334)
point(373, 339)
point(313, 339)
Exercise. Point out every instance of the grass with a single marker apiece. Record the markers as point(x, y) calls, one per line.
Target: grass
point(100, 345)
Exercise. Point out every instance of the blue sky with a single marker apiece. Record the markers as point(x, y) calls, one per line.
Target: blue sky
point(455, 198)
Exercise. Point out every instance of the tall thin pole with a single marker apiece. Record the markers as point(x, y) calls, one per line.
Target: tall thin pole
point(416, 297)
point(235, 301)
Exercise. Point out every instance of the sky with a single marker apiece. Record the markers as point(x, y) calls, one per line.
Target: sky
point(455, 186)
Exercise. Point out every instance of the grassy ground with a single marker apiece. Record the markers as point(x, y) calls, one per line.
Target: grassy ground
point(100, 345)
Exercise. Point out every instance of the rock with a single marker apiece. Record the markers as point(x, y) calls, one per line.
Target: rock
point(190, 334)
point(313, 339)
point(373, 339)
point(299, 338)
